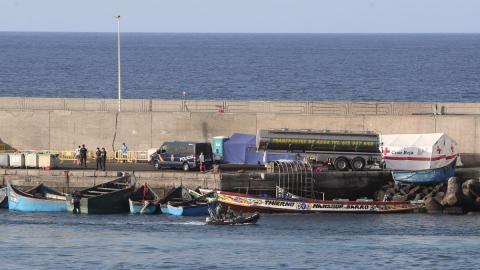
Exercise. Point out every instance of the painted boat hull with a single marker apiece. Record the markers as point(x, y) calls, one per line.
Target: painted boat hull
point(247, 203)
point(424, 177)
point(113, 202)
point(21, 202)
point(138, 207)
point(189, 210)
point(4, 197)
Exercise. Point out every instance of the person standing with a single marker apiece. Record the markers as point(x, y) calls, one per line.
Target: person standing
point(201, 158)
point(77, 155)
point(98, 158)
point(218, 157)
point(83, 156)
point(104, 157)
point(76, 198)
point(124, 152)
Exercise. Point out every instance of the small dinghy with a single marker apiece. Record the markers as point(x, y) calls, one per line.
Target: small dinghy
point(234, 221)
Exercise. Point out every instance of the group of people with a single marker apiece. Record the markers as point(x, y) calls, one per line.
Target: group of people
point(100, 157)
point(81, 156)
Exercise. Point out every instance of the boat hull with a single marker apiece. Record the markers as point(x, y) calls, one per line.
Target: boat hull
point(4, 197)
point(247, 203)
point(425, 177)
point(19, 202)
point(188, 210)
point(138, 207)
point(237, 221)
point(113, 202)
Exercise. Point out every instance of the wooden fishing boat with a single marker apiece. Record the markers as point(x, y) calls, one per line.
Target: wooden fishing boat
point(107, 198)
point(4, 197)
point(186, 209)
point(180, 202)
point(234, 221)
point(38, 199)
point(144, 201)
point(424, 177)
point(248, 203)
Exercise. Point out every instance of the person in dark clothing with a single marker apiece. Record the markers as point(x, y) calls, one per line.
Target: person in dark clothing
point(76, 197)
point(83, 156)
point(103, 157)
point(98, 159)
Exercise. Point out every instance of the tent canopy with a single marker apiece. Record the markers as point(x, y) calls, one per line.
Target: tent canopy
point(417, 151)
point(240, 148)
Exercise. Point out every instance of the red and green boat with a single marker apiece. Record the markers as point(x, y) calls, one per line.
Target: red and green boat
point(250, 203)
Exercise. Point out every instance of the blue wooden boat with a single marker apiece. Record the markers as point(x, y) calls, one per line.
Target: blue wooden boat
point(37, 199)
point(425, 177)
point(144, 201)
point(189, 209)
point(180, 202)
point(4, 197)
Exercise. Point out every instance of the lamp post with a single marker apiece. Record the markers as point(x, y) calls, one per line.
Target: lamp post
point(184, 95)
point(118, 64)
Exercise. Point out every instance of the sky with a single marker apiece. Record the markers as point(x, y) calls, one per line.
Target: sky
point(243, 16)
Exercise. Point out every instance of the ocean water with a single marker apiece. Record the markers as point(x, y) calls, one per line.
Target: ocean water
point(318, 241)
point(389, 67)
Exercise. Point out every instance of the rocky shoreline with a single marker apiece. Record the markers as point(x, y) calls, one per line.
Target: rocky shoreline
point(457, 196)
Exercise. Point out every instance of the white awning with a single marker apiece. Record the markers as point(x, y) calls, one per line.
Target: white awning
point(414, 152)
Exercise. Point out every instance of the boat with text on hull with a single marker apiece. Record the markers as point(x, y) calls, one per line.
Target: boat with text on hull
point(107, 198)
point(144, 201)
point(249, 203)
point(38, 199)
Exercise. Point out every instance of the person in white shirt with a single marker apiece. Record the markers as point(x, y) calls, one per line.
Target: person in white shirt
point(77, 155)
point(218, 157)
point(201, 158)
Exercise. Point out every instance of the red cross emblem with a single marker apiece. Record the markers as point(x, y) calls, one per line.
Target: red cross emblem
point(386, 151)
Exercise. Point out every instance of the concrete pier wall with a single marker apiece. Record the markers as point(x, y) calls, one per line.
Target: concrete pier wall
point(62, 124)
point(67, 181)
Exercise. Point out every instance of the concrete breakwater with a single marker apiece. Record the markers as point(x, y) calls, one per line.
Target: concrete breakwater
point(62, 124)
point(329, 184)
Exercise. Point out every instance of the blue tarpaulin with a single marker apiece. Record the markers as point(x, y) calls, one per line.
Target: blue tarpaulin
point(242, 149)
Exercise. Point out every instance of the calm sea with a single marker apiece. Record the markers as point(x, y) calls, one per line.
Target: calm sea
point(408, 67)
point(321, 241)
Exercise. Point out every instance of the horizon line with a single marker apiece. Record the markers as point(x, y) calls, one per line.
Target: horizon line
point(249, 33)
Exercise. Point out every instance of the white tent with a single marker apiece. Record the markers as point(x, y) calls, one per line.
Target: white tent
point(414, 152)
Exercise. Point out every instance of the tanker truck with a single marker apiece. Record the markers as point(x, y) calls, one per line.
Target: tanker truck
point(341, 149)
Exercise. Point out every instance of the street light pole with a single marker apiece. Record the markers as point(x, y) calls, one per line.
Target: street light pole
point(118, 64)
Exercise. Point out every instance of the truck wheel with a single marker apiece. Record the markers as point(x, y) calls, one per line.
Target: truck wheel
point(185, 167)
point(341, 164)
point(358, 164)
point(156, 164)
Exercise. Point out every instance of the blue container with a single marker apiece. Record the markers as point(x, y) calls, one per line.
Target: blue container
point(217, 144)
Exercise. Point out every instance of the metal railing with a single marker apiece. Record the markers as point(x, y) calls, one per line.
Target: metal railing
point(67, 155)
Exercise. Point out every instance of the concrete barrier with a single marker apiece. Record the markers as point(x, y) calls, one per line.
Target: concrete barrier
point(63, 124)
